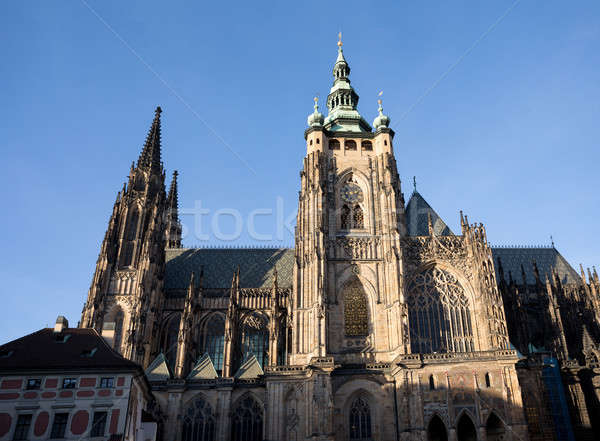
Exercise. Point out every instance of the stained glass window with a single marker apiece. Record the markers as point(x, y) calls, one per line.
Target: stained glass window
point(170, 342)
point(199, 422)
point(214, 341)
point(360, 421)
point(255, 339)
point(439, 313)
point(356, 314)
point(247, 421)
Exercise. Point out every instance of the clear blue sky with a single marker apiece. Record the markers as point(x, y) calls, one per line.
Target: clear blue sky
point(510, 135)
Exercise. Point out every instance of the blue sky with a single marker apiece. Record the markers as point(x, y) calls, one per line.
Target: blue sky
point(509, 135)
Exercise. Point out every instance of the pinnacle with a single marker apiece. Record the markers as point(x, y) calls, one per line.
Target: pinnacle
point(151, 153)
point(172, 198)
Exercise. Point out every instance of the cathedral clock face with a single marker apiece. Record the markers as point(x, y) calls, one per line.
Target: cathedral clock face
point(351, 193)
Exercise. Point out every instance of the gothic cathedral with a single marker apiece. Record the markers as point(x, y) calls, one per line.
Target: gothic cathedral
point(381, 324)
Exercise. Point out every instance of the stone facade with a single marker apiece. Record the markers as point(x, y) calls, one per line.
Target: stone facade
point(379, 325)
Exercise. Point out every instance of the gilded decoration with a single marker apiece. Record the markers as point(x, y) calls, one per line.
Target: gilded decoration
point(356, 314)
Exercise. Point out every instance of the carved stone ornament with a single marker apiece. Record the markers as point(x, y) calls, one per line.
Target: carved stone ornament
point(126, 274)
point(355, 269)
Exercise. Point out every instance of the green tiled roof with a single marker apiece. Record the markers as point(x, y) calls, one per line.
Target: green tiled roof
point(545, 258)
point(219, 264)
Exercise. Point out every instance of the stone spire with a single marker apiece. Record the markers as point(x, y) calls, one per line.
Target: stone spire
point(173, 230)
point(343, 100)
point(150, 157)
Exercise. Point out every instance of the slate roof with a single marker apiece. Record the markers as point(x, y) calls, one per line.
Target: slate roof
point(512, 258)
point(416, 218)
point(43, 351)
point(219, 264)
point(256, 264)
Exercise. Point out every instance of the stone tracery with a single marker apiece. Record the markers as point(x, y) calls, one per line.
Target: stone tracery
point(439, 313)
point(356, 314)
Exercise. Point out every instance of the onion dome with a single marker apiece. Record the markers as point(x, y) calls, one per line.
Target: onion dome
point(382, 120)
point(316, 118)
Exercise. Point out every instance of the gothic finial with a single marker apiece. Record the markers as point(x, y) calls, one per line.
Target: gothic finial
point(415, 188)
point(339, 43)
point(552, 241)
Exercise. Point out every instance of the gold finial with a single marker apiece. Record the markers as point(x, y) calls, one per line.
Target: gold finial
point(339, 43)
point(316, 99)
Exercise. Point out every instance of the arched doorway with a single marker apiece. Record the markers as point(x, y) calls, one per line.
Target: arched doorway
point(494, 429)
point(436, 431)
point(465, 430)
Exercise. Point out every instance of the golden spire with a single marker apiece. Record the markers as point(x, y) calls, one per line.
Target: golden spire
point(339, 43)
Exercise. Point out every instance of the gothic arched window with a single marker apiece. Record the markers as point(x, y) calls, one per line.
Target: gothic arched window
point(345, 218)
point(357, 217)
point(132, 224)
point(356, 313)
point(170, 341)
point(255, 339)
point(118, 331)
point(439, 313)
point(199, 422)
point(247, 421)
point(214, 340)
point(360, 420)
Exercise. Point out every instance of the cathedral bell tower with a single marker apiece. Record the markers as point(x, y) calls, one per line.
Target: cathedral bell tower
point(347, 301)
point(125, 294)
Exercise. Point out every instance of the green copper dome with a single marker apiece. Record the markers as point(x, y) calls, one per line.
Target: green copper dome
point(316, 118)
point(381, 120)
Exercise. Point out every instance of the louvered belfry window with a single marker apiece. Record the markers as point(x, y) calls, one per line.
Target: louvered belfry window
point(439, 313)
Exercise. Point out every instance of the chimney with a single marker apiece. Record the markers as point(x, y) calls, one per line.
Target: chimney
point(108, 333)
point(61, 324)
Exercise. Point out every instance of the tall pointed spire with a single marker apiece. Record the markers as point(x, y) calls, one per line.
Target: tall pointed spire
point(150, 158)
point(173, 230)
